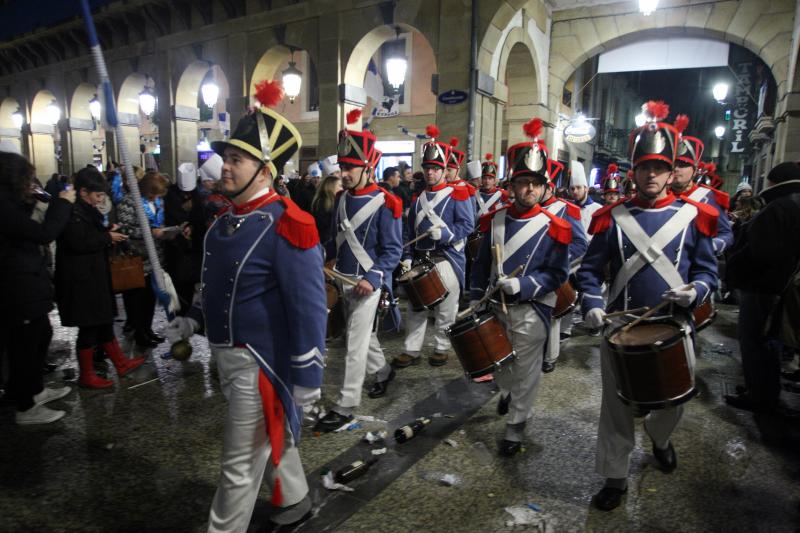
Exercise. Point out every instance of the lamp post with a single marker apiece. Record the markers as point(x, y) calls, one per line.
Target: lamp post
point(210, 92)
point(719, 131)
point(17, 119)
point(396, 63)
point(292, 80)
point(647, 6)
point(720, 92)
point(147, 101)
point(95, 108)
point(52, 113)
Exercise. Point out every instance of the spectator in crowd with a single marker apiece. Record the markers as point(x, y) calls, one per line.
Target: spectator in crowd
point(280, 186)
point(302, 191)
point(419, 183)
point(83, 281)
point(391, 179)
point(26, 287)
point(743, 190)
point(406, 189)
point(56, 184)
point(764, 256)
point(322, 206)
point(140, 303)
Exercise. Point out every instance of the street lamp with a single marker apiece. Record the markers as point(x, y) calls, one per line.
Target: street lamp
point(210, 91)
point(17, 119)
point(94, 108)
point(292, 80)
point(396, 63)
point(147, 101)
point(647, 6)
point(719, 131)
point(720, 91)
point(52, 113)
point(640, 119)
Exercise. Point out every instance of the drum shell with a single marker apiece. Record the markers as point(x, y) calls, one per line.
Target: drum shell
point(474, 242)
point(331, 295)
point(424, 287)
point(336, 320)
point(653, 376)
point(704, 315)
point(481, 343)
point(566, 300)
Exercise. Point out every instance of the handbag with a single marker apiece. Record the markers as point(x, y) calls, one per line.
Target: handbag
point(127, 272)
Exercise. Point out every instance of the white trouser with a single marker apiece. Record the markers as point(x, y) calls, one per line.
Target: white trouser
point(364, 353)
point(616, 433)
point(444, 313)
point(246, 449)
point(554, 346)
point(521, 377)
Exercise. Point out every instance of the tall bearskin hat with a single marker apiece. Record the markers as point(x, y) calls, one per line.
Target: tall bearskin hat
point(489, 167)
point(357, 147)
point(528, 158)
point(690, 149)
point(435, 153)
point(655, 140)
point(456, 156)
point(264, 133)
point(611, 181)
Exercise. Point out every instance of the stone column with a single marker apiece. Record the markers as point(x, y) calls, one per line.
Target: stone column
point(329, 74)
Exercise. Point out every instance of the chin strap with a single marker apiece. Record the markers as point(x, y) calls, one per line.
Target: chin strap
point(233, 195)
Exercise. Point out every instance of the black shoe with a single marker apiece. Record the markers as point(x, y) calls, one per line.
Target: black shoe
point(502, 405)
point(293, 514)
point(509, 448)
point(144, 342)
point(608, 498)
point(564, 335)
point(332, 421)
point(548, 367)
point(746, 402)
point(667, 459)
point(791, 376)
point(378, 389)
point(153, 336)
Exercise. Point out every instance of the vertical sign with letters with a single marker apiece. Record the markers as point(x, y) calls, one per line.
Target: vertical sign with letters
point(743, 109)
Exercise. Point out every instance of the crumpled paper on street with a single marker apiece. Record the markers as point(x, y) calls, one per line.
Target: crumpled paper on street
point(525, 516)
point(379, 451)
point(370, 418)
point(377, 436)
point(330, 484)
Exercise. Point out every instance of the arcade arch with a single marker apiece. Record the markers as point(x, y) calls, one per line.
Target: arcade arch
point(43, 136)
point(8, 130)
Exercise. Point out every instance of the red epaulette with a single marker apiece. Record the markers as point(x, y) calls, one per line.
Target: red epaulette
point(573, 210)
point(461, 193)
point(559, 230)
point(503, 195)
point(393, 204)
point(297, 226)
point(485, 221)
point(707, 216)
point(472, 190)
point(601, 219)
point(723, 199)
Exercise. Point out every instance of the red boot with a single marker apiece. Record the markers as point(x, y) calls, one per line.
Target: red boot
point(121, 362)
point(87, 377)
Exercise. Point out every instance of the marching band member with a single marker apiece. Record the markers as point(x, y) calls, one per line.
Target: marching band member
point(367, 248)
point(474, 174)
point(452, 173)
point(532, 237)
point(579, 190)
point(611, 185)
point(262, 307)
point(687, 164)
point(442, 213)
point(489, 196)
point(655, 244)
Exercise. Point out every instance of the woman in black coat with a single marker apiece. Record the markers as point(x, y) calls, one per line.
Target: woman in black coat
point(26, 286)
point(83, 281)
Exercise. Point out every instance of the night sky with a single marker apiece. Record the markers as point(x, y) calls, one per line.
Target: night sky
point(23, 16)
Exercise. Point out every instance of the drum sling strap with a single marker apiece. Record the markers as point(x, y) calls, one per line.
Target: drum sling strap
point(517, 241)
point(349, 226)
point(426, 210)
point(650, 250)
point(485, 205)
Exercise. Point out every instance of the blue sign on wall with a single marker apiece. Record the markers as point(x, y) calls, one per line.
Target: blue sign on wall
point(453, 97)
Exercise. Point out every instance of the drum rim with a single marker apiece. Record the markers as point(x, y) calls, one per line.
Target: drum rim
point(569, 308)
point(670, 341)
point(491, 368)
point(426, 266)
point(662, 404)
point(482, 317)
point(431, 305)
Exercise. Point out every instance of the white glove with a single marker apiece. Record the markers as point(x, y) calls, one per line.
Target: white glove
point(595, 318)
point(509, 286)
point(180, 328)
point(435, 233)
point(304, 396)
point(474, 303)
point(405, 265)
point(681, 296)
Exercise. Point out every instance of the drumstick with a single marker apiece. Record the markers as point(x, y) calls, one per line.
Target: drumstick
point(628, 312)
point(498, 261)
point(417, 238)
point(488, 295)
point(653, 311)
point(336, 275)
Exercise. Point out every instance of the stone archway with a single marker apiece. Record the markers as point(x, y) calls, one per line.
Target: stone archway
point(43, 136)
point(8, 130)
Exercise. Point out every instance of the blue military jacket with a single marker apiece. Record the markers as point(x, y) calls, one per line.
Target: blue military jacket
point(453, 206)
point(263, 288)
point(572, 214)
point(690, 251)
point(721, 202)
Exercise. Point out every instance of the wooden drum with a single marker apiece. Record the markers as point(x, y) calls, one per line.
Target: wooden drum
point(704, 314)
point(566, 300)
point(336, 321)
point(423, 286)
point(481, 343)
point(474, 242)
point(651, 363)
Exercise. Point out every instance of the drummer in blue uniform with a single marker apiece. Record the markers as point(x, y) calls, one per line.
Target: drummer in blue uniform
point(536, 239)
point(668, 254)
point(367, 248)
point(687, 162)
point(262, 307)
point(489, 196)
point(443, 216)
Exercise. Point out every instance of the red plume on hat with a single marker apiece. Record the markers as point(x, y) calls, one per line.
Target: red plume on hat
point(353, 116)
point(454, 141)
point(681, 123)
point(489, 156)
point(432, 131)
point(269, 92)
point(711, 168)
point(612, 169)
point(656, 110)
point(533, 128)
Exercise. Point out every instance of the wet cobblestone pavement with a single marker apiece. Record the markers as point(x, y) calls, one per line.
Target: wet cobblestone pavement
point(143, 456)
